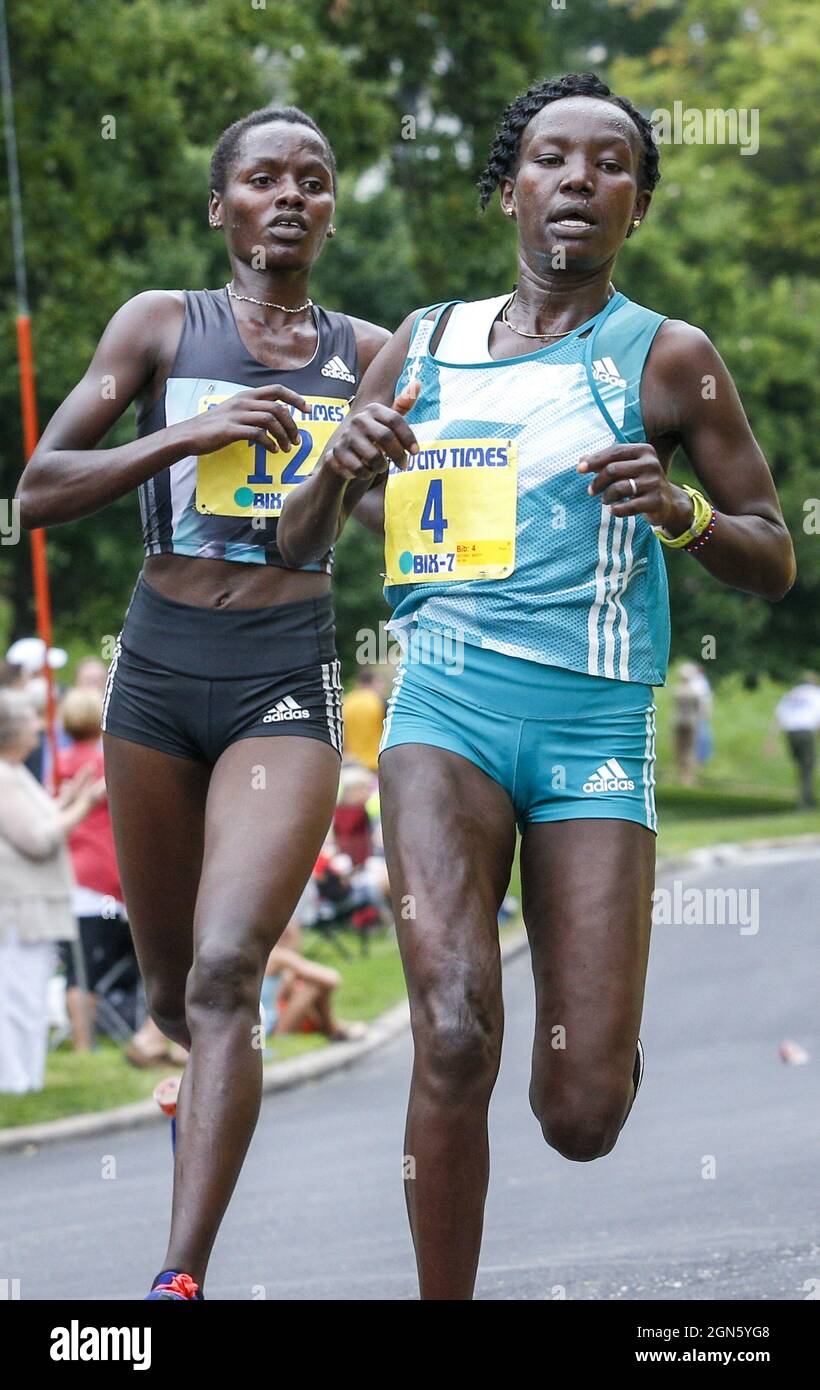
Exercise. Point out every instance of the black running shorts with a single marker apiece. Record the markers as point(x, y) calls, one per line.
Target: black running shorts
point(190, 680)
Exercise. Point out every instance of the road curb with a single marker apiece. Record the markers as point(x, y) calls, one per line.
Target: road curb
point(278, 1076)
point(731, 852)
point(282, 1076)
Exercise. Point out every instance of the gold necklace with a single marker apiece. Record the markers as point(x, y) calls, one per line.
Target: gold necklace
point(267, 304)
point(522, 333)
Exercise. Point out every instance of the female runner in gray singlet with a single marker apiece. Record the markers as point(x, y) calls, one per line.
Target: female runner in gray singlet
point(223, 699)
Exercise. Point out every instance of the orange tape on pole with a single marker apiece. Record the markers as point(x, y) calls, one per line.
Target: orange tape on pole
point(39, 559)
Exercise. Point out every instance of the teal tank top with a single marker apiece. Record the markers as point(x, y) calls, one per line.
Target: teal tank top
point(588, 591)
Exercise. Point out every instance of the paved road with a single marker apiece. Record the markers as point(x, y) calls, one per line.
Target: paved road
point(319, 1214)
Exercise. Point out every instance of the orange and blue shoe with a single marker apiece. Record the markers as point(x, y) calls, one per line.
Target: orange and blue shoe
point(174, 1284)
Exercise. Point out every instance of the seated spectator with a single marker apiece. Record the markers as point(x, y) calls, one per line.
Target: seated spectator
point(150, 1048)
point(97, 898)
point(35, 890)
point(298, 993)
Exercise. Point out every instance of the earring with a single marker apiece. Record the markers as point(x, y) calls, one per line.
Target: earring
point(331, 231)
point(510, 212)
point(214, 224)
point(636, 222)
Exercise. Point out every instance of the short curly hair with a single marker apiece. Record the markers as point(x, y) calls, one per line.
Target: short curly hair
point(227, 146)
point(506, 145)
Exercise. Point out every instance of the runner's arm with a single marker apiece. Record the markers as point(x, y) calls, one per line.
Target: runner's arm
point(688, 399)
point(315, 514)
point(751, 548)
point(67, 476)
point(369, 512)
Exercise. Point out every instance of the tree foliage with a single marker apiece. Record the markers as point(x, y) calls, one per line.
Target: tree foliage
point(409, 97)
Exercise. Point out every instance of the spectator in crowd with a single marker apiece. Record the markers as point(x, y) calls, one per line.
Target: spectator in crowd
point(12, 677)
point(35, 890)
point(90, 674)
point(357, 831)
point(150, 1048)
point(798, 715)
point(298, 993)
point(364, 709)
point(692, 704)
point(352, 830)
point(32, 658)
point(98, 897)
point(704, 742)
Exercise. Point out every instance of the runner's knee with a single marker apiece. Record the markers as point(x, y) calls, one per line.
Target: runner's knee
point(579, 1127)
point(457, 1054)
point(166, 1005)
point(224, 979)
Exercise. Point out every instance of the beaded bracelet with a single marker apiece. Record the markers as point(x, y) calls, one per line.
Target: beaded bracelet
point(704, 536)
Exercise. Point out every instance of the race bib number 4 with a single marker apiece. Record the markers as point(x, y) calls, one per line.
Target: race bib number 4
point(451, 513)
point(245, 479)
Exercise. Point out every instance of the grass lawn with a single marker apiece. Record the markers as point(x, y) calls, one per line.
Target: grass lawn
point(78, 1082)
point(745, 792)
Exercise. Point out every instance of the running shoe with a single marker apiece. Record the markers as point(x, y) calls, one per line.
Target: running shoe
point(173, 1284)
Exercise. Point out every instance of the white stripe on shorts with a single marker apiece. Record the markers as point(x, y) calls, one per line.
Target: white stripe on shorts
point(649, 769)
point(109, 680)
point(332, 687)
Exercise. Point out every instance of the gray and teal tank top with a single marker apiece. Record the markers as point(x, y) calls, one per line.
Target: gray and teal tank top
point(550, 574)
point(226, 505)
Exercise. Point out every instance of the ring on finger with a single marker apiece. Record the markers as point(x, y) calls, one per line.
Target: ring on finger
point(633, 485)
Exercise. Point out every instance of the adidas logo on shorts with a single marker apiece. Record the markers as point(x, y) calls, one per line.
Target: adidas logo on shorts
point(338, 369)
point(609, 777)
point(285, 709)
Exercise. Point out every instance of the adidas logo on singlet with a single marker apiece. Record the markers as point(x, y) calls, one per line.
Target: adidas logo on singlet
point(605, 370)
point(338, 369)
point(610, 777)
point(285, 709)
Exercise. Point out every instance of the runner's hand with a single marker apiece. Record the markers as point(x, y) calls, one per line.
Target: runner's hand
point(661, 502)
point(261, 416)
point(367, 443)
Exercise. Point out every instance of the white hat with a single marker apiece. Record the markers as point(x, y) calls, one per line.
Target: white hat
point(30, 654)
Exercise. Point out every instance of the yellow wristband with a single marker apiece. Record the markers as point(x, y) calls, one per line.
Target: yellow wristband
point(700, 521)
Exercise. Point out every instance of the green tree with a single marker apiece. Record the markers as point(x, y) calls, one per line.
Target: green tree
point(731, 245)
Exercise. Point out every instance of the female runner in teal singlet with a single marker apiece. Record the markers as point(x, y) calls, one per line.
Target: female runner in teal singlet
point(526, 500)
point(223, 698)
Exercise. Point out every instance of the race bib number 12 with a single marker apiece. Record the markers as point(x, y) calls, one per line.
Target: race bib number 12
point(246, 479)
point(451, 513)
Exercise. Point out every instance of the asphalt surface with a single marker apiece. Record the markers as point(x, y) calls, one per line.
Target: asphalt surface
point(319, 1210)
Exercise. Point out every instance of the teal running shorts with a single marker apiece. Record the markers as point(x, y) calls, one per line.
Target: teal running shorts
point(565, 745)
